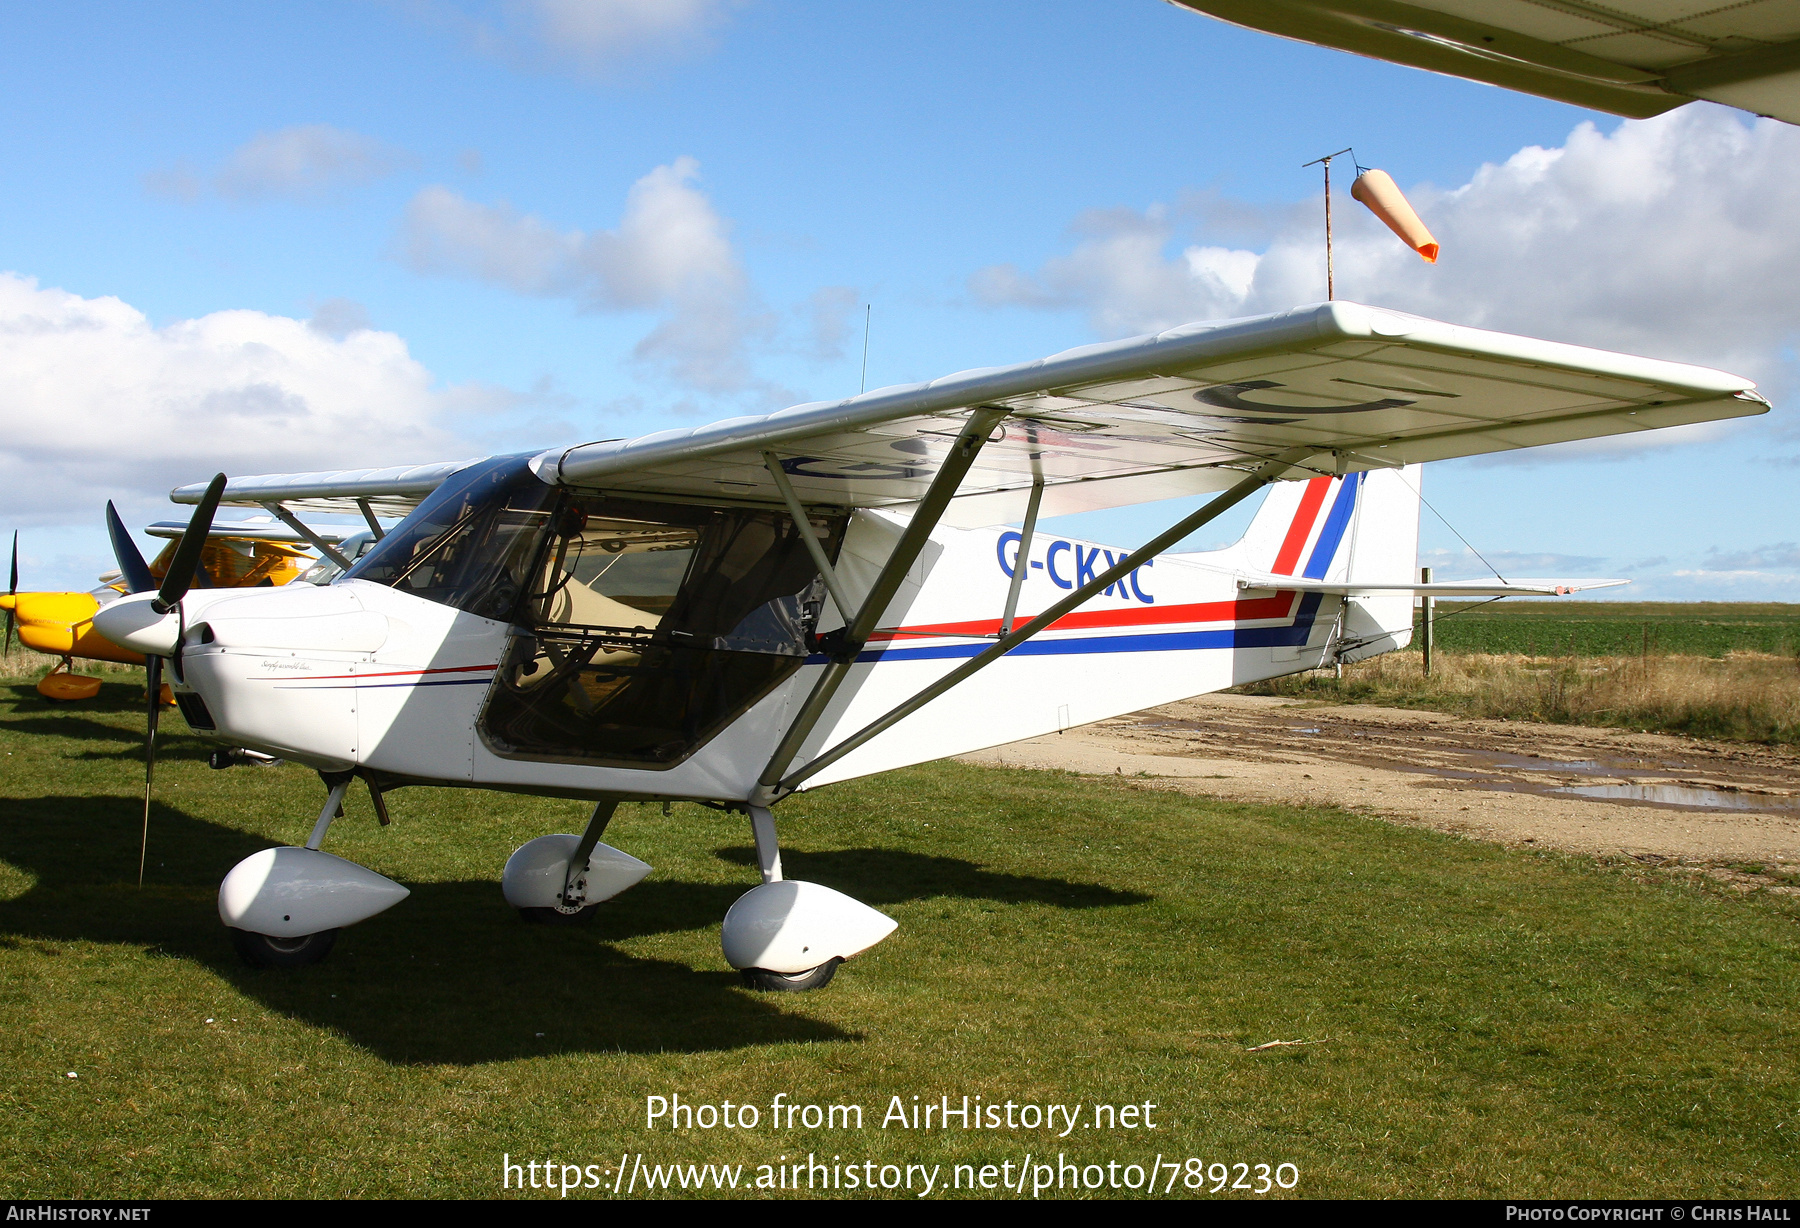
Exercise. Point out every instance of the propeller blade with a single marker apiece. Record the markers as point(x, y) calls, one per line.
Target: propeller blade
point(12, 590)
point(153, 674)
point(186, 563)
point(131, 564)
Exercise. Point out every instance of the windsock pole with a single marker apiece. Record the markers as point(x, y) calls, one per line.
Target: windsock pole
point(1330, 286)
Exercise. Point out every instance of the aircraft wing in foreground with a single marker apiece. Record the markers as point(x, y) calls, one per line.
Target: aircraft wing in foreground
point(1631, 57)
point(730, 613)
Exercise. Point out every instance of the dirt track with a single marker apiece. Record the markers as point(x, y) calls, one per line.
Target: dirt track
point(1660, 799)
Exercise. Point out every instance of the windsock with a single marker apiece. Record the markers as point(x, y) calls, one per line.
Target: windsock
point(1382, 195)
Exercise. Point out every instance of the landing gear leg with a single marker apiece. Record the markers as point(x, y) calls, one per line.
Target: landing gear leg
point(560, 880)
point(802, 929)
point(572, 907)
point(338, 783)
point(768, 851)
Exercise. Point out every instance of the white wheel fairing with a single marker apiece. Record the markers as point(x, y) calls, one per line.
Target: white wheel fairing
point(792, 926)
point(536, 871)
point(291, 892)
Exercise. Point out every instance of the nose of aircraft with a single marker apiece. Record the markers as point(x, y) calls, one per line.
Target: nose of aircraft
point(131, 622)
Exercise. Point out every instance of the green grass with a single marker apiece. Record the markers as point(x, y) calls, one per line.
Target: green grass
point(1557, 628)
point(1492, 1022)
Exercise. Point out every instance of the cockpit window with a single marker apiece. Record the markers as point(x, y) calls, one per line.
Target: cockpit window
point(650, 626)
point(324, 571)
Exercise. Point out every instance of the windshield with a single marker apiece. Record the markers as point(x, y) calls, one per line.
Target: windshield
point(471, 543)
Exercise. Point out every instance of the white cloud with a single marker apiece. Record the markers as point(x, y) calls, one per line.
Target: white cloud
point(593, 35)
point(1465, 564)
point(1780, 554)
point(304, 162)
point(339, 317)
point(594, 38)
point(100, 404)
point(827, 322)
point(1672, 236)
point(671, 254)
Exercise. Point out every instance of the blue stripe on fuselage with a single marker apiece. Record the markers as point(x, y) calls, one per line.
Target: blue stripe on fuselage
point(1160, 641)
point(1333, 533)
point(1331, 536)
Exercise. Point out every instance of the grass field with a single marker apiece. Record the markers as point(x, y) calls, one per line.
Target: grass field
point(1487, 1022)
point(1707, 670)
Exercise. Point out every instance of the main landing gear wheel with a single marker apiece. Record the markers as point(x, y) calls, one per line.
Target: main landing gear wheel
point(268, 951)
point(556, 916)
point(792, 982)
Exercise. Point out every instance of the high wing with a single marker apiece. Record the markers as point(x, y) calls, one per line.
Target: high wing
point(1630, 57)
point(391, 492)
point(251, 530)
point(1332, 388)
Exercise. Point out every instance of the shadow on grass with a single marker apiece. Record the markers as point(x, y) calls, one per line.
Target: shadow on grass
point(113, 697)
point(128, 743)
point(892, 876)
point(450, 976)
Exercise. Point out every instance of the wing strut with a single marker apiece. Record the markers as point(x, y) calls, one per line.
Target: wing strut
point(803, 526)
point(1026, 530)
point(852, 638)
point(1261, 477)
point(369, 516)
point(293, 522)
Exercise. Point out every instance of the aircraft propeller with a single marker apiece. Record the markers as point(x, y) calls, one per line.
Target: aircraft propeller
point(132, 568)
point(176, 581)
point(12, 590)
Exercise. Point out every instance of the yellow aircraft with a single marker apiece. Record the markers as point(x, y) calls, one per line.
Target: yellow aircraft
point(255, 553)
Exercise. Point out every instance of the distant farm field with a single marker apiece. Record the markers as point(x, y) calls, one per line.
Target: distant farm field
point(1546, 627)
point(1454, 1018)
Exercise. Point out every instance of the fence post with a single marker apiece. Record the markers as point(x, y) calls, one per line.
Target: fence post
point(1427, 604)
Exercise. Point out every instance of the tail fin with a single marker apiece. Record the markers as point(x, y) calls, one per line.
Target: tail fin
point(1363, 527)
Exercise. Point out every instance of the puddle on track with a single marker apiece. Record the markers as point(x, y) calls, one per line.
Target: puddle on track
point(1686, 797)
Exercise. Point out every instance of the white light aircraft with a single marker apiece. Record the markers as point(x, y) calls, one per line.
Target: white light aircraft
point(731, 613)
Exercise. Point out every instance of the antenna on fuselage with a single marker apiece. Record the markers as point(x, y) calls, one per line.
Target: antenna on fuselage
point(868, 314)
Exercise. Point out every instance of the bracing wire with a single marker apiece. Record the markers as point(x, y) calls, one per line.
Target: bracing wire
point(1459, 537)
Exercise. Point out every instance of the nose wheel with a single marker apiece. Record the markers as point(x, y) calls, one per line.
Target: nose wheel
point(283, 907)
point(796, 982)
point(268, 951)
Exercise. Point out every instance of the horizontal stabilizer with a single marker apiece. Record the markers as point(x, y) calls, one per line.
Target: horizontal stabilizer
point(1446, 588)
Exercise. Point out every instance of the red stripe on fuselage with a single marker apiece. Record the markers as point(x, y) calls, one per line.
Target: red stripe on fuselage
point(1281, 605)
point(407, 673)
point(1311, 500)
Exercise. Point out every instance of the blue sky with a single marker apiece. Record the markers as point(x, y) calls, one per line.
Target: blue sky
point(453, 228)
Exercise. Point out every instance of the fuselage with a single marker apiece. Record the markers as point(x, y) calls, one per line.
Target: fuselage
point(567, 700)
